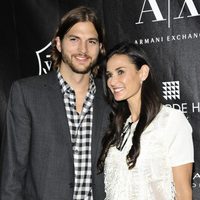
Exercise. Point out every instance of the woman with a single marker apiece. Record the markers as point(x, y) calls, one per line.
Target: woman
point(148, 150)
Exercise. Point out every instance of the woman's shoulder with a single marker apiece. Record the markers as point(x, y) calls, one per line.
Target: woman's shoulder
point(170, 110)
point(171, 113)
point(171, 119)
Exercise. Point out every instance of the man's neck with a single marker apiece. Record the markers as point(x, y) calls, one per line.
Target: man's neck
point(79, 83)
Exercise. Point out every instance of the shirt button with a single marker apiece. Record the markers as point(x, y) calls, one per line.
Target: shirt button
point(76, 151)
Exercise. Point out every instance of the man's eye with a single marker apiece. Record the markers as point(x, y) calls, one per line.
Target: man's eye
point(73, 39)
point(93, 42)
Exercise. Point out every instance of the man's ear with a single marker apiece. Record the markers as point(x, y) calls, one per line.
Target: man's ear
point(144, 72)
point(58, 43)
point(102, 49)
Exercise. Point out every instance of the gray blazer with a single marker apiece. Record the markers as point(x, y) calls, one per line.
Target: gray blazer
point(37, 152)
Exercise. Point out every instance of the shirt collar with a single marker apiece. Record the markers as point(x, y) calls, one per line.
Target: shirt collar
point(65, 87)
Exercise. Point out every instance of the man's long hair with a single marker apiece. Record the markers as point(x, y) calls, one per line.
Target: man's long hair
point(79, 14)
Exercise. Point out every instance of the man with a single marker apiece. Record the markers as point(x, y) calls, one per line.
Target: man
point(55, 122)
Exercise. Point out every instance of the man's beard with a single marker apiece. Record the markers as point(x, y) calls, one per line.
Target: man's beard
point(75, 68)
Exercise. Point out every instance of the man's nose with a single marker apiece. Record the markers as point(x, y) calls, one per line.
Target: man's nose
point(83, 48)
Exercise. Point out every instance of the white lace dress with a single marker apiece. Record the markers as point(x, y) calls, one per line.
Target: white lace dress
point(167, 142)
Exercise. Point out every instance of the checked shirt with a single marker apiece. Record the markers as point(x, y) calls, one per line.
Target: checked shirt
point(81, 135)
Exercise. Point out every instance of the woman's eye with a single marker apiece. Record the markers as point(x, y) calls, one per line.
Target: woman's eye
point(108, 75)
point(120, 72)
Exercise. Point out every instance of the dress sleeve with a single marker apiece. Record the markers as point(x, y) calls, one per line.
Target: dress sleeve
point(180, 142)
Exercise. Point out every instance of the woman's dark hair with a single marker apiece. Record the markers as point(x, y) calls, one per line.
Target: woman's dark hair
point(79, 14)
point(150, 105)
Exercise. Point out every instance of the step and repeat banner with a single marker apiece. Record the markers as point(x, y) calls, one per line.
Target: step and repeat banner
point(169, 30)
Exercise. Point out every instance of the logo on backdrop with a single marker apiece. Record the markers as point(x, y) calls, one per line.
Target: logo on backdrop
point(196, 180)
point(43, 56)
point(157, 12)
point(153, 8)
point(171, 90)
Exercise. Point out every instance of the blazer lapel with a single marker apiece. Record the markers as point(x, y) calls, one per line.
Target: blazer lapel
point(57, 103)
point(56, 99)
point(97, 131)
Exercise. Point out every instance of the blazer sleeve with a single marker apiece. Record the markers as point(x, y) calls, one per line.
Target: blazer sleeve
point(15, 146)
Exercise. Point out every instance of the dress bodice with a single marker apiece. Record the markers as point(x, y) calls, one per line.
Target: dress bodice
point(151, 178)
